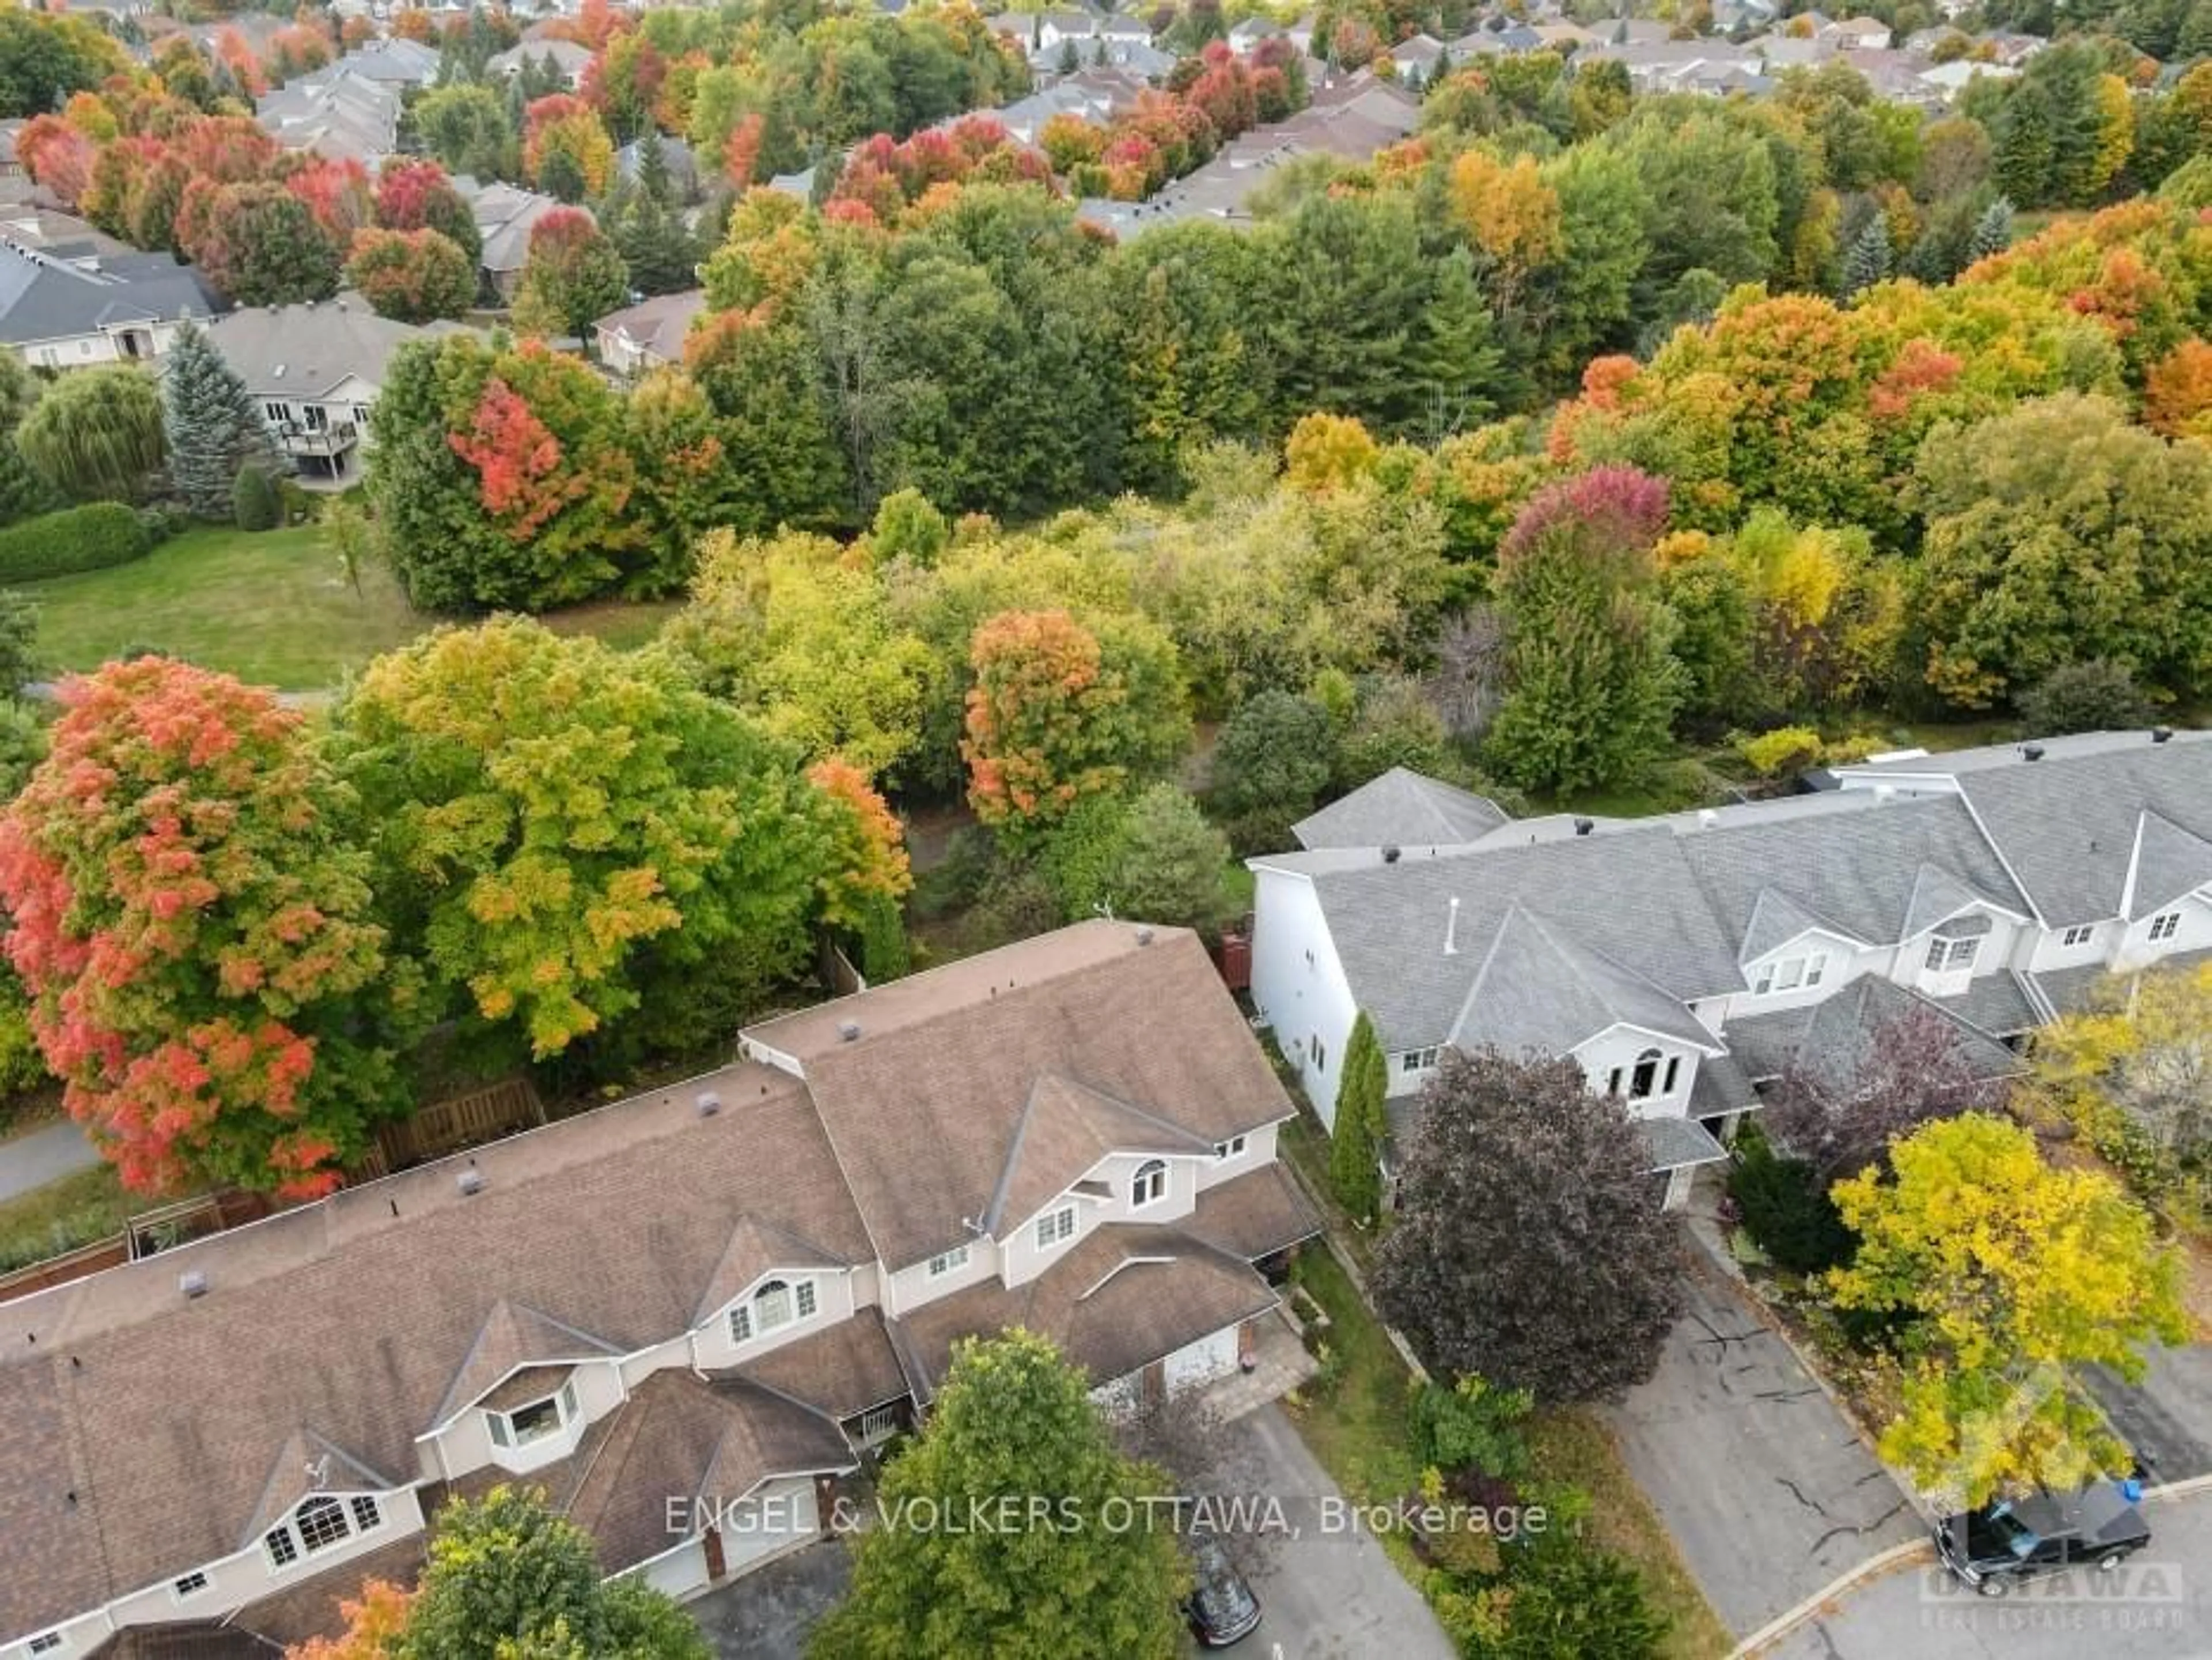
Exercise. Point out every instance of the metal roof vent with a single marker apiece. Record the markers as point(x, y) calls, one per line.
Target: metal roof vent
point(1143, 936)
point(2160, 735)
point(471, 1182)
point(1389, 856)
point(193, 1283)
point(709, 1104)
point(1584, 826)
point(1707, 818)
point(2032, 752)
point(848, 1031)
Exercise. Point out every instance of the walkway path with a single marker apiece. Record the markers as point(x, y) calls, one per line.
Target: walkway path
point(43, 1155)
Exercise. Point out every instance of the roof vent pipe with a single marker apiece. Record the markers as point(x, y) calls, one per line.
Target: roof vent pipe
point(1707, 818)
point(193, 1283)
point(2033, 752)
point(471, 1182)
point(848, 1031)
point(1389, 856)
point(1143, 936)
point(1584, 826)
point(2159, 734)
point(709, 1104)
point(1451, 928)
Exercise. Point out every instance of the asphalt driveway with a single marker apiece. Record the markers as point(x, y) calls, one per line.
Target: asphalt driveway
point(1767, 1492)
point(2168, 1417)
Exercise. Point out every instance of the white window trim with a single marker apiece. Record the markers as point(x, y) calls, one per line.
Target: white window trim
point(181, 1590)
point(1232, 1148)
point(745, 1316)
point(2077, 936)
point(948, 1261)
point(1149, 1186)
point(46, 1642)
point(877, 1423)
point(1055, 1228)
point(1950, 955)
point(508, 1436)
point(2165, 925)
point(302, 1553)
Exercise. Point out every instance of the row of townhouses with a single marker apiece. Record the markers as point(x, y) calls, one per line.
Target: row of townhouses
point(721, 1291)
point(1686, 961)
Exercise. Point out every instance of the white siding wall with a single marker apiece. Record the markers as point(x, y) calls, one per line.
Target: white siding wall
point(1259, 1153)
point(1619, 1047)
point(466, 1444)
point(2194, 934)
point(833, 1292)
point(1297, 984)
point(2045, 949)
point(910, 1287)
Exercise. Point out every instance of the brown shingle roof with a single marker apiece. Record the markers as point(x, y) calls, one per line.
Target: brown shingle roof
point(754, 1248)
point(307, 1464)
point(923, 1105)
point(680, 1438)
point(310, 1608)
point(1254, 1216)
point(351, 1316)
point(1066, 1128)
point(514, 1336)
point(1122, 1299)
point(842, 1370)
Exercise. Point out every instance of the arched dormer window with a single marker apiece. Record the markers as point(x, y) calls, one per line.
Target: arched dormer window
point(1150, 1184)
point(320, 1521)
point(775, 1304)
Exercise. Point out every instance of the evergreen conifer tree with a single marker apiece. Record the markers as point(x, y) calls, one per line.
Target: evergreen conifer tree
point(1868, 261)
point(1992, 231)
point(211, 424)
point(1354, 1139)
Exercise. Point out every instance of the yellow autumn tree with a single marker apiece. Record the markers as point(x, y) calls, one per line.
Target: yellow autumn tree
point(2009, 1273)
point(1510, 215)
point(1327, 453)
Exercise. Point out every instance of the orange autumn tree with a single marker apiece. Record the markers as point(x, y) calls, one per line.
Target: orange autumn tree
point(376, 1623)
point(871, 861)
point(190, 920)
point(1058, 713)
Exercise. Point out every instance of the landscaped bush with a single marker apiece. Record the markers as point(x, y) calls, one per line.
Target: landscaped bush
point(1785, 1209)
point(90, 537)
point(2095, 696)
point(253, 500)
point(1472, 1425)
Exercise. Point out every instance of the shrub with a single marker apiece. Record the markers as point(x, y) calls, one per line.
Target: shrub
point(1785, 1209)
point(2097, 695)
point(253, 500)
point(1474, 1424)
point(1569, 1599)
point(90, 537)
point(1275, 755)
point(1784, 750)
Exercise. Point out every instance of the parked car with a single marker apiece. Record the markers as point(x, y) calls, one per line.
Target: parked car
point(1221, 1608)
point(1996, 1547)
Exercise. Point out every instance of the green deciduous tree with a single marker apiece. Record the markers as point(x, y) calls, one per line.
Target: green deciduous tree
point(507, 1577)
point(1529, 1244)
point(261, 245)
point(196, 934)
point(1151, 858)
point(1273, 755)
point(1355, 1137)
point(210, 422)
point(572, 277)
point(579, 842)
point(1013, 1417)
point(2011, 1273)
point(96, 435)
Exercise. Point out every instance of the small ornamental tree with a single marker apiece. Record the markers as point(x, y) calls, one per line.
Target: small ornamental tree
point(1529, 1244)
point(1052, 717)
point(1354, 1139)
point(411, 275)
point(191, 922)
point(211, 423)
point(572, 276)
point(2011, 1275)
point(1273, 755)
point(1913, 1069)
point(1013, 1418)
point(254, 502)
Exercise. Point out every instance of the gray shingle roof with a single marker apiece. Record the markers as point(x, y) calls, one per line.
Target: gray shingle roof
point(1995, 1003)
point(2170, 864)
point(1876, 874)
point(1775, 920)
point(2067, 825)
point(2069, 990)
point(1673, 1143)
point(1829, 1039)
point(1400, 809)
point(1541, 991)
point(43, 299)
point(306, 350)
point(1630, 895)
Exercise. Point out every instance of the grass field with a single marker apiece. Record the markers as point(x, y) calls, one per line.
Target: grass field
point(273, 609)
point(87, 1205)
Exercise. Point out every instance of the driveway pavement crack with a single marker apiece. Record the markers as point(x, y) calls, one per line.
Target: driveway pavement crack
point(1846, 1527)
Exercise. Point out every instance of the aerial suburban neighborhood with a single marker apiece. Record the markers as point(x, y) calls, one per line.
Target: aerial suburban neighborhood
point(850, 829)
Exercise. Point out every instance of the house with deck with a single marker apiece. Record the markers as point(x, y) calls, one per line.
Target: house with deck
point(719, 1293)
point(1688, 960)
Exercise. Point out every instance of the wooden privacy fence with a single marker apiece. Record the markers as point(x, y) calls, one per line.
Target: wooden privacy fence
point(466, 1121)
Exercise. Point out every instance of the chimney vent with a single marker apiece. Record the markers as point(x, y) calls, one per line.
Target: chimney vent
point(193, 1283)
point(1707, 818)
point(471, 1182)
point(709, 1104)
point(1584, 826)
point(2033, 752)
point(2159, 734)
point(1143, 936)
point(1451, 928)
point(848, 1031)
point(1389, 856)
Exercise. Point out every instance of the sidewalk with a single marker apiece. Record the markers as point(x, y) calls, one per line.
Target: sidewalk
point(43, 1155)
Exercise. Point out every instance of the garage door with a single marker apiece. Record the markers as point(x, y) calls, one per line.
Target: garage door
point(1209, 1358)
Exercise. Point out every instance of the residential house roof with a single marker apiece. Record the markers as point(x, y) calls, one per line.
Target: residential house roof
point(310, 349)
point(1629, 894)
point(1120, 1299)
point(1673, 1143)
point(1540, 992)
point(932, 1098)
point(657, 327)
point(1254, 1216)
point(351, 1317)
point(844, 1369)
point(505, 215)
point(2071, 824)
point(570, 58)
point(1832, 1038)
point(45, 296)
point(1400, 808)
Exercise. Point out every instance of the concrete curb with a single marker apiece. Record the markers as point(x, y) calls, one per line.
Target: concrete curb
point(1897, 1556)
point(1875, 1566)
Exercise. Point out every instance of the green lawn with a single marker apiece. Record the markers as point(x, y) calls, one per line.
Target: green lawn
point(271, 608)
point(84, 1206)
